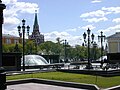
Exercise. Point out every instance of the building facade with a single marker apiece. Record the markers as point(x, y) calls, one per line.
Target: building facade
point(10, 39)
point(36, 36)
point(114, 43)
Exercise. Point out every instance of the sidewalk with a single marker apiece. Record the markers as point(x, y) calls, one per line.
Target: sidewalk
point(36, 86)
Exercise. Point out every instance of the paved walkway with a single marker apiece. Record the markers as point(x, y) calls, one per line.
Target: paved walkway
point(35, 86)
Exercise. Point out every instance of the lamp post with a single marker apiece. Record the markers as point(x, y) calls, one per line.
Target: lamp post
point(94, 50)
point(101, 38)
point(2, 7)
point(89, 42)
point(20, 34)
point(65, 45)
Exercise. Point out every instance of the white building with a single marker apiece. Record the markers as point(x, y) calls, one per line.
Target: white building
point(114, 43)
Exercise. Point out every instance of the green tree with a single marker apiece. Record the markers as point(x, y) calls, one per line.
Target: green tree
point(5, 48)
point(30, 47)
point(11, 48)
point(46, 47)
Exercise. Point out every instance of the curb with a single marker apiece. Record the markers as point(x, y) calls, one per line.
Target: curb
point(113, 88)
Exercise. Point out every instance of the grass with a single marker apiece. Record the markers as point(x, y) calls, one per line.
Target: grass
point(102, 82)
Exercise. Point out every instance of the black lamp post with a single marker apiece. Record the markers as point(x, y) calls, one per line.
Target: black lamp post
point(94, 50)
point(65, 45)
point(20, 34)
point(101, 38)
point(2, 7)
point(89, 66)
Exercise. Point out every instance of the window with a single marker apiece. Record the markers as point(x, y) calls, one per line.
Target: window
point(8, 41)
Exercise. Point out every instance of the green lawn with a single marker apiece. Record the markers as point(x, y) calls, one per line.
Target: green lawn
point(102, 82)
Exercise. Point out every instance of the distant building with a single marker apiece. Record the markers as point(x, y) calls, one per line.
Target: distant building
point(36, 35)
point(113, 54)
point(10, 39)
point(114, 43)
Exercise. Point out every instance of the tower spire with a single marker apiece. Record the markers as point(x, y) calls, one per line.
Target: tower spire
point(36, 21)
point(36, 35)
point(36, 26)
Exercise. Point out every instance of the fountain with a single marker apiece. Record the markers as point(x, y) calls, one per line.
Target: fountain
point(32, 60)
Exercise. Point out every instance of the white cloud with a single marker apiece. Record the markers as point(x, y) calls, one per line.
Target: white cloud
point(56, 34)
point(98, 13)
point(115, 28)
point(95, 19)
point(111, 30)
point(11, 21)
point(15, 9)
point(9, 1)
point(112, 9)
point(75, 40)
point(116, 20)
point(72, 40)
point(96, 1)
point(10, 12)
point(20, 7)
point(24, 7)
point(88, 26)
point(11, 32)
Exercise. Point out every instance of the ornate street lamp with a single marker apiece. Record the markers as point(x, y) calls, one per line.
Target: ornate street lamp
point(89, 66)
point(2, 7)
point(20, 34)
point(65, 46)
point(101, 39)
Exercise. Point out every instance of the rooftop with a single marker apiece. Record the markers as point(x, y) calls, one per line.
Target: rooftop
point(116, 35)
point(8, 35)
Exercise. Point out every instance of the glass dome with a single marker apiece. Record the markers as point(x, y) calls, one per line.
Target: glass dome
point(32, 60)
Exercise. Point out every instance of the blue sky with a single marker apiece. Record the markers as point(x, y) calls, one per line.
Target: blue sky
point(67, 19)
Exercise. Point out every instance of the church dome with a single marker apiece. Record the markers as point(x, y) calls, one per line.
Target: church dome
point(32, 60)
